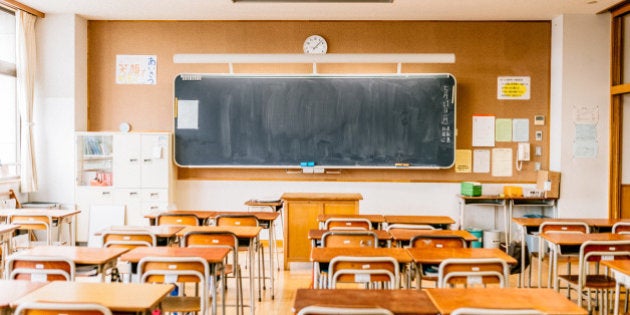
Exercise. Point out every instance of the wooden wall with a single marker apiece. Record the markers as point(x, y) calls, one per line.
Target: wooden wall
point(483, 50)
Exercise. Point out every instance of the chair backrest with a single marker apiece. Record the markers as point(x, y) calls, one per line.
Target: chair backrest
point(621, 228)
point(40, 268)
point(343, 238)
point(564, 227)
point(326, 310)
point(409, 227)
point(494, 311)
point(31, 222)
point(47, 308)
point(128, 239)
point(471, 272)
point(177, 270)
point(437, 241)
point(596, 251)
point(212, 239)
point(347, 224)
point(353, 269)
point(187, 219)
point(235, 220)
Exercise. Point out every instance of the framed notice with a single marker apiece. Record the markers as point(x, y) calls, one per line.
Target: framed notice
point(513, 88)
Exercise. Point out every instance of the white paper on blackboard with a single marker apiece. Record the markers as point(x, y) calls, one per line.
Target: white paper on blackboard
point(188, 114)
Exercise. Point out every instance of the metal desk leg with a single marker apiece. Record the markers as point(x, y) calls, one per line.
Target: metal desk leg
point(523, 253)
point(250, 253)
point(272, 249)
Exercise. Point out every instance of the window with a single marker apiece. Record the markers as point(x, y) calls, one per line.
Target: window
point(9, 119)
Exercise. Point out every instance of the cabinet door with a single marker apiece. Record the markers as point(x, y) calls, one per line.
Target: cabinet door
point(341, 207)
point(131, 198)
point(153, 200)
point(155, 160)
point(127, 160)
point(301, 217)
point(86, 197)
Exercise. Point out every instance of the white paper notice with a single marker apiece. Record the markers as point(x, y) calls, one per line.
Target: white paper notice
point(520, 130)
point(502, 162)
point(483, 131)
point(187, 114)
point(481, 161)
point(513, 88)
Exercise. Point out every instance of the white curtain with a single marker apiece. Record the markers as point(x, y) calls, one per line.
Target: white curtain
point(25, 66)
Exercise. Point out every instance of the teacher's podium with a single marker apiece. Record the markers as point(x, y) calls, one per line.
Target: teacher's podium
point(300, 216)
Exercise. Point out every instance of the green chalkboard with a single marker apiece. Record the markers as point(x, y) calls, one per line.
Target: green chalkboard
point(336, 121)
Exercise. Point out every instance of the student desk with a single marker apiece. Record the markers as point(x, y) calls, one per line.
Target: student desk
point(376, 219)
point(403, 236)
point(397, 301)
point(11, 290)
point(435, 256)
point(438, 221)
point(243, 233)
point(61, 216)
point(316, 236)
point(103, 258)
point(621, 270)
point(214, 256)
point(118, 297)
point(323, 255)
point(6, 232)
point(545, 300)
point(576, 240)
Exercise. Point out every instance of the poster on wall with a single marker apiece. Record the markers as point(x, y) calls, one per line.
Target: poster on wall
point(513, 88)
point(136, 69)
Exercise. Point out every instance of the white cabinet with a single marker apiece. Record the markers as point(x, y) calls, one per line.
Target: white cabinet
point(136, 172)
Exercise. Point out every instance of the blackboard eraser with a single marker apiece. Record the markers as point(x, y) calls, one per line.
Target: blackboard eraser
point(401, 164)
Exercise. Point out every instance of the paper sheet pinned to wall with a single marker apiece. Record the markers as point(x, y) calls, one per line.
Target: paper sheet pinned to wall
point(520, 130)
point(481, 161)
point(187, 114)
point(503, 130)
point(483, 131)
point(463, 161)
point(502, 162)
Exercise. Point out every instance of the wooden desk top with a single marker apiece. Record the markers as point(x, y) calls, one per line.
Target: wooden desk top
point(264, 203)
point(317, 234)
point(418, 219)
point(209, 214)
point(210, 254)
point(547, 301)
point(579, 238)
point(8, 228)
point(494, 198)
point(79, 254)
point(622, 266)
point(293, 196)
point(437, 255)
point(397, 301)
point(374, 218)
point(165, 231)
point(407, 235)
point(325, 254)
point(532, 222)
point(118, 297)
point(11, 290)
point(54, 213)
point(248, 232)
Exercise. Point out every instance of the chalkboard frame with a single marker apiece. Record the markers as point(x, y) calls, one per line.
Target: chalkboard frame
point(452, 117)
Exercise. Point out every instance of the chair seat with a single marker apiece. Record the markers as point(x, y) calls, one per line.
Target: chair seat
point(181, 304)
point(592, 281)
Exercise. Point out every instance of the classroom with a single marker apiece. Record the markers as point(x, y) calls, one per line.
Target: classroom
point(522, 103)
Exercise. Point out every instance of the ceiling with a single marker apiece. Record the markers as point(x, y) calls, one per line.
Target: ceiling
point(398, 10)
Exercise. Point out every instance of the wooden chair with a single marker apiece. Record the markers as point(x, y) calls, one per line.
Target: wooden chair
point(187, 219)
point(347, 224)
point(621, 228)
point(591, 253)
point(220, 239)
point(10, 195)
point(409, 227)
point(470, 272)
point(32, 223)
point(348, 238)
point(367, 270)
point(328, 310)
point(40, 268)
point(494, 311)
point(179, 270)
point(567, 255)
point(48, 308)
point(430, 272)
point(129, 239)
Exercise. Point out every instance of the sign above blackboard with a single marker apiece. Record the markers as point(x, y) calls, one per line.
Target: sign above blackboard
point(330, 121)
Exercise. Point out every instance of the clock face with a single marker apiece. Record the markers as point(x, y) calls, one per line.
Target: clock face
point(315, 44)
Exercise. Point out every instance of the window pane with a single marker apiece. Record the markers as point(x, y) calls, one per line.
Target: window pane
point(8, 126)
point(7, 36)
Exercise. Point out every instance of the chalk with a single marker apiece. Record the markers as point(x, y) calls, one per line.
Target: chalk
point(401, 164)
point(303, 164)
point(311, 163)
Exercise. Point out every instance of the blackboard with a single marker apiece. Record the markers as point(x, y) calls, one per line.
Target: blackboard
point(336, 121)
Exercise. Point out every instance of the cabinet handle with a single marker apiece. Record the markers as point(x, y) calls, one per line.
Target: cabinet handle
point(133, 193)
point(106, 193)
point(154, 194)
point(133, 160)
point(153, 207)
point(147, 160)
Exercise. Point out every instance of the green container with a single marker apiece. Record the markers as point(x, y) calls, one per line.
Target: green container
point(478, 233)
point(471, 189)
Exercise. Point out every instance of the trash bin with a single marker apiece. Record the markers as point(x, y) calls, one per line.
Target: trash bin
point(491, 239)
point(478, 233)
